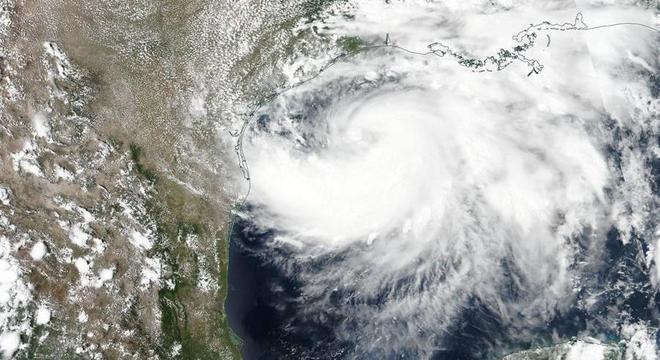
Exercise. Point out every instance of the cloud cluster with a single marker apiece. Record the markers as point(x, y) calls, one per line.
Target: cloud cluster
point(408, 188)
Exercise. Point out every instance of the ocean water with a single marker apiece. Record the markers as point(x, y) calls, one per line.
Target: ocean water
point(267, 312)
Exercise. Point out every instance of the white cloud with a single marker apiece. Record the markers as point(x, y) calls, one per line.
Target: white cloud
point(82, 265)
point(38, 251)
point(40, 125)
point(25, 160)
point(641, 343)
point(78, 234)
point(42, 316)
point(141, 240)
point(82, 317)
point(9, 343)
point(586, 351)
point(420, 172)
point(4, 196)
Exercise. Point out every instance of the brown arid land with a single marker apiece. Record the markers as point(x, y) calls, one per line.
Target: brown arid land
point(114, 170)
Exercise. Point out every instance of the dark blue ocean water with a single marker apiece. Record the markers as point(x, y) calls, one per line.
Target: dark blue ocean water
point(264, 307)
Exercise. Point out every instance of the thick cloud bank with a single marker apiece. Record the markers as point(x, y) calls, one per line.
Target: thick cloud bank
point(407, 189)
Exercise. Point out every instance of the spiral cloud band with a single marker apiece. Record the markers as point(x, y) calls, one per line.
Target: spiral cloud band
point(406, 188)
